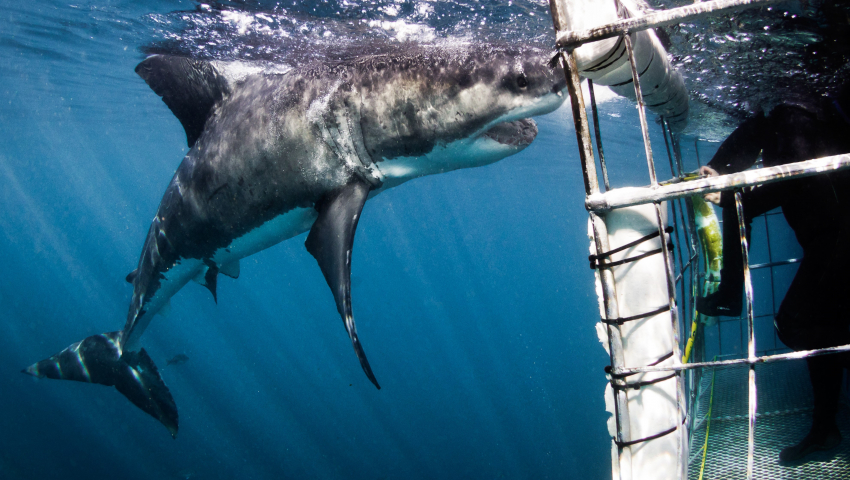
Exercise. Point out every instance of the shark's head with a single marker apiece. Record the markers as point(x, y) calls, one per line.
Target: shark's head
point(436, 110)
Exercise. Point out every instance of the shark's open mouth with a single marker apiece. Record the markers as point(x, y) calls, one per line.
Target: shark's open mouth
point(519, 133)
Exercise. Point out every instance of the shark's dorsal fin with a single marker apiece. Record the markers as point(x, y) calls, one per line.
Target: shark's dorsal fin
point(189, 87)
point(330, 242)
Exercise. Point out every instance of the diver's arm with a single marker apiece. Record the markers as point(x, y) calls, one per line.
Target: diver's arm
point(740, 149)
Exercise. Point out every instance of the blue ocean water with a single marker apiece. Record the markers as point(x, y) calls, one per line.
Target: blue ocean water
point(471, 289)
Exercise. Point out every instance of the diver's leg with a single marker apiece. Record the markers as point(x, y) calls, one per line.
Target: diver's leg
point(811, 317)
point(826, 375)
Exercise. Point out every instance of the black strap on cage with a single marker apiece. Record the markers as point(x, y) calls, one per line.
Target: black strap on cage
point(645, 439)
point(637, 385)
point(620, 321)
point(596, 260)
point(624, 375)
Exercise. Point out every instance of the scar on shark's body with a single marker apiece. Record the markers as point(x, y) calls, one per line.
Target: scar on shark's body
point(274, 155)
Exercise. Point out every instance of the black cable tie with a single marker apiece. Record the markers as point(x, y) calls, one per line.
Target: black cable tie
point(608, 368)
point(646, 439)
point(620, 321)
point(640, 240)
point(597, 262)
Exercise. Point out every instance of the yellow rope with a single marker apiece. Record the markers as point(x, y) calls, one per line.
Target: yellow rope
point(694, 324)
point(690, 345)
point(707, 425)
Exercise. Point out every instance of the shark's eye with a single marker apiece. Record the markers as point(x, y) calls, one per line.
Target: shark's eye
point(521, 81)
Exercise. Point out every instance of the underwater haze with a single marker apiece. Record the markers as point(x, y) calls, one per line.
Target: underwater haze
point(471, 289)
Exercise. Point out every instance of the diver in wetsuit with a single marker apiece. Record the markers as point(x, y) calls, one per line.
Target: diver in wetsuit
point(815, 312)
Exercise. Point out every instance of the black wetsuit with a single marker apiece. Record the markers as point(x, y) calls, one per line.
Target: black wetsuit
point(815, 312)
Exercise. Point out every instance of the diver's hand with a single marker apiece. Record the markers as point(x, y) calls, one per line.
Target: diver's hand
point(715, 196)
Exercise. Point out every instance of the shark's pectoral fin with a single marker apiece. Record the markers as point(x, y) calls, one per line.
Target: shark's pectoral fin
point(98, 359)
point(330, 242)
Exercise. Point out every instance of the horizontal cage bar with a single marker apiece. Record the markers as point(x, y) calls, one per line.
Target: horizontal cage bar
point(569, 39)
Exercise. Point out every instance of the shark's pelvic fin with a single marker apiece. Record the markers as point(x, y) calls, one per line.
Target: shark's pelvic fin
point(131, 277)
point(211, 281)
point(231, 269)
point(98, 359)
point(189, 87)
point(330, 242)
point(209, 278)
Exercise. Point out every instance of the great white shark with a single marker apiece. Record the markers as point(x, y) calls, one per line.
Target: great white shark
point(274, 155)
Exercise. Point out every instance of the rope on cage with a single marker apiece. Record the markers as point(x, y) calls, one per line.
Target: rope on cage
point(707, 424)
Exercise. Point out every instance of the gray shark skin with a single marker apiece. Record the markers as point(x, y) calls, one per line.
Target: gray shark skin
point(274, 155)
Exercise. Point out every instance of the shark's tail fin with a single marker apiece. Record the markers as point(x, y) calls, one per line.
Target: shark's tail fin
point(99, 359)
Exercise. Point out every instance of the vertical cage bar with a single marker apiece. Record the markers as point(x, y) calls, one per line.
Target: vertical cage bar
point(673, 173)
point(675, 219)
point(600, 237)
point(598, 135)
point(615, 346)
point(677, 149)
point(696, 152)
point(772, 276)
point(674, 316)
point(591, 182)
point(751, 340)
point(653, 180)
point(695, 273)
point(678, 172)
point(606, 276)
point(677, 154)
point(680, 379)
point(699, 347)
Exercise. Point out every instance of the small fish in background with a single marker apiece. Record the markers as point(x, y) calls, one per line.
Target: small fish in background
point(178, 359)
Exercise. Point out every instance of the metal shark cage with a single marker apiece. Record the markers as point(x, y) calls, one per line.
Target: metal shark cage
point(694, 379)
